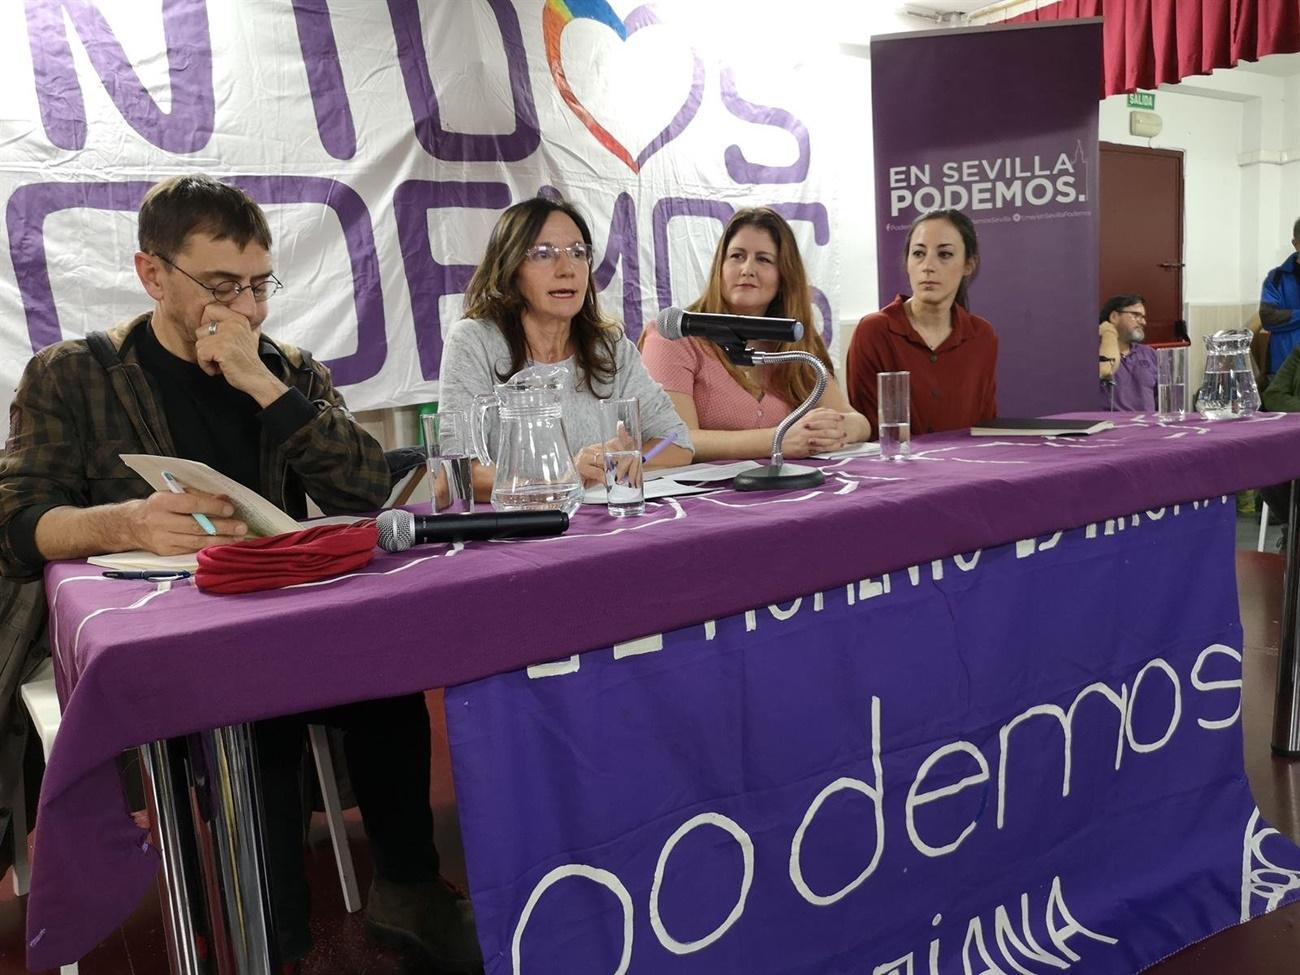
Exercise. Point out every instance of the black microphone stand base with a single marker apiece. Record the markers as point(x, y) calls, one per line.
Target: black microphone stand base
point(785, 477)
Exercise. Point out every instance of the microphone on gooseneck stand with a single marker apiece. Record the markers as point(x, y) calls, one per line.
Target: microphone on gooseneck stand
point(731, 332)
point(727, 330)
point(399, 530)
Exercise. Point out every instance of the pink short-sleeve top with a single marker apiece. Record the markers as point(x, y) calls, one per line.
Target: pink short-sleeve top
point(687, 366)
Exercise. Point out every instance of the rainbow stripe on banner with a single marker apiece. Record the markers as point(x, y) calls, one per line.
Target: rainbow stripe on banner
point(559, 14)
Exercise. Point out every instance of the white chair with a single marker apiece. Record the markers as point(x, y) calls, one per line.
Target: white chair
point(42, 702)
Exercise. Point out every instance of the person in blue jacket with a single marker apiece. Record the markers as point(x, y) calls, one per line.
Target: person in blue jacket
point(1279, 306)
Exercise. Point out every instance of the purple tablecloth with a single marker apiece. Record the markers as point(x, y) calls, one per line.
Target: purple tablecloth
point(138, 664)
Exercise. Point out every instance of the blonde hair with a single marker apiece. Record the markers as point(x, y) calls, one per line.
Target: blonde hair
point(493, 293)
point(791, 381)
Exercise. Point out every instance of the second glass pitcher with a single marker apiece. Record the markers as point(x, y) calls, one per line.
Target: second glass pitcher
point(1228, 389)
point(534, 466)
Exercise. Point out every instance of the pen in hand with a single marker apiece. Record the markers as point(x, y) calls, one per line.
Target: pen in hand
point(654, 451)
point(174, 486)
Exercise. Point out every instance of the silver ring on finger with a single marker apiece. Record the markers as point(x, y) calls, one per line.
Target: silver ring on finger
point(212, 328)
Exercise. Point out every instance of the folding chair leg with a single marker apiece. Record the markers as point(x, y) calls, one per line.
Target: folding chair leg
point(18, 827)
point(1263, 524)
point(329, 790)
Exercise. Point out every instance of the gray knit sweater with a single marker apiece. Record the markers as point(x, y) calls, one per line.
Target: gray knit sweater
point(473, 352)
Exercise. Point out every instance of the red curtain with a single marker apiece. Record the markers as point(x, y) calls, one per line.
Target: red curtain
point(1153, 42)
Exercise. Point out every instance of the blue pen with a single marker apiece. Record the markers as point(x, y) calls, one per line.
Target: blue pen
point(174, 486)
point(156, 575)
point(654, 451)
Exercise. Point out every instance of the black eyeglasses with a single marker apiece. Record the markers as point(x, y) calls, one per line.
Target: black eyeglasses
point(1136, 314)
point(228, 291)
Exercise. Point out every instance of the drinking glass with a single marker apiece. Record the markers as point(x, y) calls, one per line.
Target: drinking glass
point(1171, 384)
point(621, 429)
point(894, 398)
point(447, 449)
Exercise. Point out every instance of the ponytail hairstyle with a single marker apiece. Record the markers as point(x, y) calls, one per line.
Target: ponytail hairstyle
point(965, 229)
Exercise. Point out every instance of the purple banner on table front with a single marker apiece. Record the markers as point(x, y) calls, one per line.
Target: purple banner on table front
point(1001, 761)
point(1001, 123)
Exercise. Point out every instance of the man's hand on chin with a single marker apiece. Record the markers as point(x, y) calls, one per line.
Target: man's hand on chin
point(226, 345)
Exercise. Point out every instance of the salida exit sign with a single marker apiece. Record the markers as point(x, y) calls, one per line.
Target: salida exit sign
point(1142, 99)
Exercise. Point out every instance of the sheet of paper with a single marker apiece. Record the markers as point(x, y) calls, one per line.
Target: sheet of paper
point(701, 473)
point(334, 520)
point(857, 450)
point(661, 488)
point(261, 517)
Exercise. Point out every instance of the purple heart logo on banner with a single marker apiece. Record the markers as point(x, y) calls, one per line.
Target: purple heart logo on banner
point(559, 14)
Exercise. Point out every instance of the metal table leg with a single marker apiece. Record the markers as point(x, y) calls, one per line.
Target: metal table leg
point(237, 830)
point(170, 808)
point(1286, 711)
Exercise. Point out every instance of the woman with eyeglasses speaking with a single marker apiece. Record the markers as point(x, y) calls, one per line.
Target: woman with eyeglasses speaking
point(532, 301)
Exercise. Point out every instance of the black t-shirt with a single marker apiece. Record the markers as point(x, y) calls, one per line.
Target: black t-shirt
point(210, 420)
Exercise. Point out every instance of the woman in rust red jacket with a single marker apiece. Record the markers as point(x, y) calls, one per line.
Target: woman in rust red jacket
point(951, 354)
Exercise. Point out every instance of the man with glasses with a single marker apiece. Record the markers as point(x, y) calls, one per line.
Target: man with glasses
point(196, 378)
point(1127, 368)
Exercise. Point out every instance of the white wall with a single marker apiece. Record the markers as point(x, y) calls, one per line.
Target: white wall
point(1208, 131)
point(853, 222)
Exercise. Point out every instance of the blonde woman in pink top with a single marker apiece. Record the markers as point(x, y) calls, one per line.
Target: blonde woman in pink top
point(732, 411)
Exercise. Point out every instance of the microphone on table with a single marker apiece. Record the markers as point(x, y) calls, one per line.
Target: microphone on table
point(399, 530)
point(727, 329)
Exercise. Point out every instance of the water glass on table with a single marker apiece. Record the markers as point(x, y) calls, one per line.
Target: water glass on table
point(621, 429)
point(448, 452)
point(894, 399)
point(1171, 384)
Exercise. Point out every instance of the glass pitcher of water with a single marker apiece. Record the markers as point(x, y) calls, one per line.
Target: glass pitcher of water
point(1229, 389)
point(534, 466)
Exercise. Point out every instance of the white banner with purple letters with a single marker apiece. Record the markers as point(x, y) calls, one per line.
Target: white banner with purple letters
point(384, 140)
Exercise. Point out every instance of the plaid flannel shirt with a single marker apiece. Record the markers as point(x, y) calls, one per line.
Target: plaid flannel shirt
point(71, 419)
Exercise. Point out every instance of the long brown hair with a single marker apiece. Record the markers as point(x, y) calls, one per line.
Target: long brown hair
point(493, 293)
point(791, 381)
point(965, 230)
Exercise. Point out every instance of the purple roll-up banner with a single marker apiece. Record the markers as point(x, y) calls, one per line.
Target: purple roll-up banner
point(980, 764)
point(1001, 123)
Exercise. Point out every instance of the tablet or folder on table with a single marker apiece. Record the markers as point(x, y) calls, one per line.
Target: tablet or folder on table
point(1039, 427)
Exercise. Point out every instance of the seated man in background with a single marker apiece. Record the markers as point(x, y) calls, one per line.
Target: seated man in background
point(1279, 306)
point(1127, 368)
point(196, 378)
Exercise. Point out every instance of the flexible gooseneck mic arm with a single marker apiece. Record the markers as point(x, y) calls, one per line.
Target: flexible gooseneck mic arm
point(819, 387)
point(779, 475)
